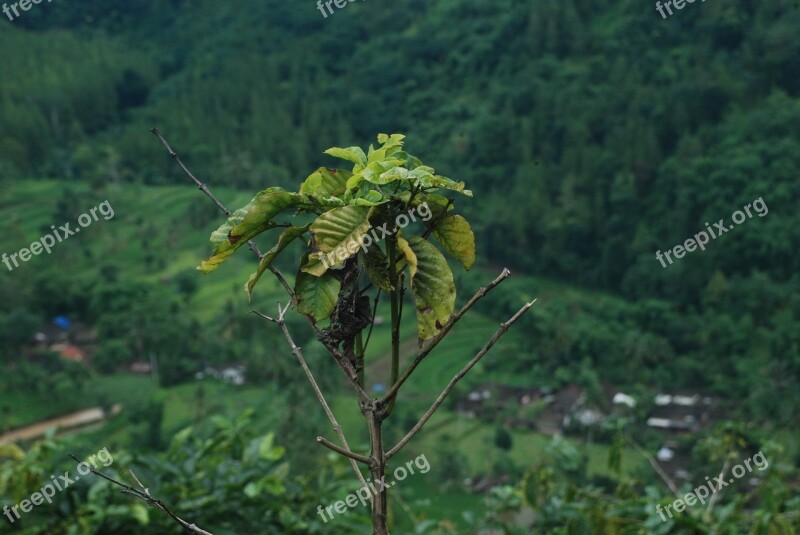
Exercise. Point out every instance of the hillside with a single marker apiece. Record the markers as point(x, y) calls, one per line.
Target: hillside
point(639, 175)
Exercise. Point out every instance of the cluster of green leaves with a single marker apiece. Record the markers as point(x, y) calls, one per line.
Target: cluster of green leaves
point(384, 183)
point(564, 498)
point(220, 474)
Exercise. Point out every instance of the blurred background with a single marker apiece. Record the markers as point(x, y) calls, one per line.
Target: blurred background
point(592, 134)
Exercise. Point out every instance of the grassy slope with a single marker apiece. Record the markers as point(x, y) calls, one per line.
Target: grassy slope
point(146, 220)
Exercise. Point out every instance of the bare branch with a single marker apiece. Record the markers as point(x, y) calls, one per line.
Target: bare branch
point(442, 333)
point(281, 322)
point(144, 494)
point(436, 404)
point(372, 322)
point(346, 452)
point(337, 355)
point(654, 463)
point(715, 496)
point(204, 188)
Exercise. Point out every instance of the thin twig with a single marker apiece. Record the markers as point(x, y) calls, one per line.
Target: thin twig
point(201, 186)
point(372, 323)
point(497, 335)
point(298, 353)
point(442, 333)
point(714, 496)
point(337, 355)
point(657, 467)
point(346, 452)
point(144, 494)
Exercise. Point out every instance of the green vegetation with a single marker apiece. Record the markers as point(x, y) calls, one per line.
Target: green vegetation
point(592, 136)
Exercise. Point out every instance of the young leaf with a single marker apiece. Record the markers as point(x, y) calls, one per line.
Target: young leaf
point(286, 237)
point(433, 287)
point(457, 238)
point(248, 222)
point(370, 198)
point(351, 154)
point(338, 231)
point(325, 182)
point(392, 143)
point(427, 180)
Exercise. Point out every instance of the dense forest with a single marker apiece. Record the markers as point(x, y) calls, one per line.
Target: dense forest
point(616, 134)
point(594, 136)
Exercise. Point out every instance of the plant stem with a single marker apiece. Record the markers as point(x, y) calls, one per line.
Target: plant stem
point(380, 502)
point(395, 312)
point(360, 359)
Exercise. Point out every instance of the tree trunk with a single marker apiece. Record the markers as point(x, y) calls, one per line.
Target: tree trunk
point(378, 470)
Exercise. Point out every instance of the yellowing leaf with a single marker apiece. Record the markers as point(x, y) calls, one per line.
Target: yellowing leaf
point(409, 255)
point(325, 182)
point(457, 238)
point(338, 234)
point(248, 222)
point(286, 237)
point(433, 287)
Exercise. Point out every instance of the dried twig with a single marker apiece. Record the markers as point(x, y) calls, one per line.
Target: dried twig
point(204, 188)
point(346, 452)
point(715, 495)
point(144, 494)
point(298, 353)
point(338, 357)
point(657, 467)
point(493, 340)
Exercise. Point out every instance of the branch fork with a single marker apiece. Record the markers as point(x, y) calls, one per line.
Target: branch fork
point(375, 411)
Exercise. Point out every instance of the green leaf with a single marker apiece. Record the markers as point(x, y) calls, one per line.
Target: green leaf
point(377, 267)
point(395, 173)
point(267, 451)
point(181, 437)
point(351, 154)
point(11, 451)
point(374, 173)
point(140, 513)
point(252, 490)
point(248, 222)
point(457, 238)
point(286, 237)
point(220, 422)
point(330, 202)
point(390, 142)
point(377, 156)
point(447, 183)
point(435, 203)
point(325, 182)
point(338, 231)
point(424, 177)
point(272, 485)
point(433, 287)
point(316, 296)
point(371, 198)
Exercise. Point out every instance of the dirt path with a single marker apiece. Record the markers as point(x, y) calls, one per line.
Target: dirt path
point(68, 421)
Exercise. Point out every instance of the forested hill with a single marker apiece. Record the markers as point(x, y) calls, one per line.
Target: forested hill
point(615, 132)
